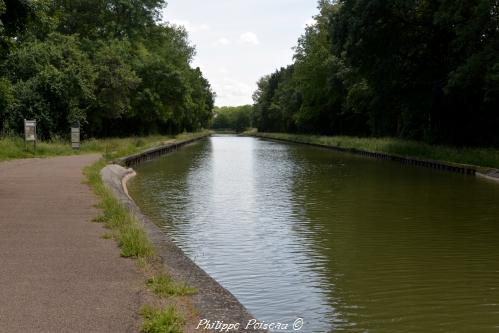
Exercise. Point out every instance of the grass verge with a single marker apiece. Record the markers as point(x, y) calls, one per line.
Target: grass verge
point(124, 228)
point(132, 238)
point(161, 320)
point(482, 157)
point(164, 286)
point(14, 147)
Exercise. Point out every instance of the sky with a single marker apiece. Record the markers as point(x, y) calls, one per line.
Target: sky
point(239, 41)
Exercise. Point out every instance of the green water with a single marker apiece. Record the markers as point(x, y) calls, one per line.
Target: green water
point(344, 242)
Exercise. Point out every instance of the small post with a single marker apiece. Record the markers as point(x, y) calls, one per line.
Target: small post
point(30, 133)
point(75, 135)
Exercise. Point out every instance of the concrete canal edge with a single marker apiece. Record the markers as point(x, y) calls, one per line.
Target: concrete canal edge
point(156, 152)
point(492, 175)
point(472, 170)
point(213, 302)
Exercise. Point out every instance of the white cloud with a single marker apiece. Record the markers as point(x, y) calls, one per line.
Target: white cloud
point(204, 27)
point(255, 48)
point(231, 91)
point(222, 41)
point(249, 38)
point(189, 26)
point(223, 70)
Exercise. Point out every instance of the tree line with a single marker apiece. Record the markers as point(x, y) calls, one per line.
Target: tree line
point(108, 64)
point(235, 118)
point(415, 69)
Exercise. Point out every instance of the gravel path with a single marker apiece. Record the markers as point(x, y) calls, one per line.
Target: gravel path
point(56, 273)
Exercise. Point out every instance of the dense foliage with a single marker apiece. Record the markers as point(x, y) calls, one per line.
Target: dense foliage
point(237, 118)
point(416, 69)
point(108, 64)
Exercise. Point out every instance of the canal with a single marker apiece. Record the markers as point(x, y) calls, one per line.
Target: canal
point(347, 243)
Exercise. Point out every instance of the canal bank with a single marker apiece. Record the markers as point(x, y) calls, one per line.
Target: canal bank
point(485, 172)
point(215, 306)
point(155, 152)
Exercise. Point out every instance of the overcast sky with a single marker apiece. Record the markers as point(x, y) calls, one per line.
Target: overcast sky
point(239, 41)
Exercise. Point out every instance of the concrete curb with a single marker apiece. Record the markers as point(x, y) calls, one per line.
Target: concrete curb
point(213, 301)
point(492, 175)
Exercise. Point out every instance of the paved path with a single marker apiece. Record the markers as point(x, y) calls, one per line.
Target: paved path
point(56, 273)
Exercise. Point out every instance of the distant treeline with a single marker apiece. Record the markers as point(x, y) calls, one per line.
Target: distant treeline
point(107, 64)
point(237, 118)
point(416, 69)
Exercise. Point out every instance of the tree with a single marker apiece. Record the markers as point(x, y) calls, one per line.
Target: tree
point(52, 83)
point(115, 83)
point(106, 19)
point(426, 62)
point(109, 64)
point(415, 69)
point(237, 118)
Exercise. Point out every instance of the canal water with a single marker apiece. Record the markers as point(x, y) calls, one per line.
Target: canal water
point(347, 243)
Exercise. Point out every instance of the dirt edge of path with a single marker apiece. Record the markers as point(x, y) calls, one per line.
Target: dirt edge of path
point(213, 302)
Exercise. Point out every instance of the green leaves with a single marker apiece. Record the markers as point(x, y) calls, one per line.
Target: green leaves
point(415, 69)
point(236, 118)
point(108, 64)
point(116, 80)
point(52, 82)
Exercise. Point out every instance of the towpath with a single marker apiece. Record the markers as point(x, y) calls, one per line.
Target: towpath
point(56, 272)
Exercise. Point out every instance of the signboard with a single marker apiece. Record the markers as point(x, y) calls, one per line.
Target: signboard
point(75, 136)
point(30, 130)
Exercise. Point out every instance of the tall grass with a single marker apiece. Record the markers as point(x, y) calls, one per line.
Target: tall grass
point(483, 157)
point(14, 147)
